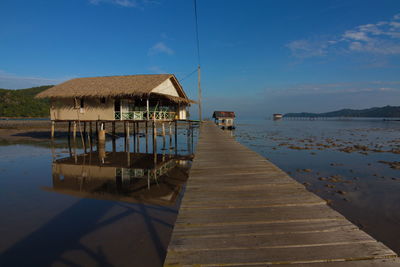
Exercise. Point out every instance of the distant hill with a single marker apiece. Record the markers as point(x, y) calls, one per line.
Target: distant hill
point(387, 111)
point(21, 103)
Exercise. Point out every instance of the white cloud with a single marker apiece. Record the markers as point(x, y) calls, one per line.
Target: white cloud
point(381, 38)
point(157, 70)
point(160, 48)
point(306, 49)
point(337, 88)
point(13, 81)
point(123, 3)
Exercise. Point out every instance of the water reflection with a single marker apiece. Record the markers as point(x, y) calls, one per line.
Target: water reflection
point(98, 207)
point(122, 176)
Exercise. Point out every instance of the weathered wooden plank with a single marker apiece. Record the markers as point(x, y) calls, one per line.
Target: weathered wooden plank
point(264, 214)
point(271, 229)
point(245, 256)
point(241, 210)
point(286, 240)
point(389, 262)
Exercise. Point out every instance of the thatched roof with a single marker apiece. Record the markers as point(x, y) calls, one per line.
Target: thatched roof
point(115, 86)
point(224, 114)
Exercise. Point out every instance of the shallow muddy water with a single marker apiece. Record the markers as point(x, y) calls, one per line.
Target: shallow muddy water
point(353, 164)
point(61, 206)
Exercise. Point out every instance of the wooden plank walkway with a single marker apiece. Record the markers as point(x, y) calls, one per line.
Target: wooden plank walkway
point(241, 210)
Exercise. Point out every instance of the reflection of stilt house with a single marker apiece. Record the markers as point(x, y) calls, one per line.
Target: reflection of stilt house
point(225, 119)
point(132, 98)
point(129, 177)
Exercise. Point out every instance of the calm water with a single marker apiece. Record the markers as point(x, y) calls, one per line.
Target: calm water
point(61, 206)
point(341, 161)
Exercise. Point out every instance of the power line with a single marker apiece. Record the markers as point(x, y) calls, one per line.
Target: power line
point(187, 76)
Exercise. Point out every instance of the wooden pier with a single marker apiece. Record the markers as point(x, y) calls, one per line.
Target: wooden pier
point(241, 210)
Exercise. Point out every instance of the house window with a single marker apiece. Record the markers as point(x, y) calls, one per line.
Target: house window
point(82, 105)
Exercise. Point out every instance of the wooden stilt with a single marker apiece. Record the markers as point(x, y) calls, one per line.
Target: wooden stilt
point(170, 135)
point(114, 145)
point(163, 134)
point(176, 137)
point(52, 129)
point(97, 130)
point(69, 130)
point(147, 136)
point(134, 136)
point(154, 137)
point(74, 131)
point(138, 137)
point(90, 131)
point(84, 129)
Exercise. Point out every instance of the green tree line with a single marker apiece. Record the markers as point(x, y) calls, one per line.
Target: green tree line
point(22, 103)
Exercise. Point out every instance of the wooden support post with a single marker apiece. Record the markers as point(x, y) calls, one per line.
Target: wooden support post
point(176, 137)
point(74, 131)
point(170, 135)
point(90, 131)
point(52, 129)
point(114, 145)
point(188, 137)
point(134, 136)
point(84, 129)
point(97, 129)
point(127, 136)
point(154, 137)
point(163, 134)
point(102, 133)
point(147, 136)
point(138, 137)
point(69, 130)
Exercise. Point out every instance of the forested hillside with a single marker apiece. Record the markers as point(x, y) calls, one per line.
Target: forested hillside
point(22, 103)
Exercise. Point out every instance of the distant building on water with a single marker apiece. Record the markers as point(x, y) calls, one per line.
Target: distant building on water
point(225, 119)
point(277, 116)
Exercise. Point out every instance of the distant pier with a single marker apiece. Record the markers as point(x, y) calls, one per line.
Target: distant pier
point(241, 210)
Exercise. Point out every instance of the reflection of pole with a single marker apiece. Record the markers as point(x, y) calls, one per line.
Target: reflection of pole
point(53, 153)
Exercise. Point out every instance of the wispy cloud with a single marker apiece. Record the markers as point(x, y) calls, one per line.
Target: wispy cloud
point(337, 88)
point(160, 48)
point(13, 81)
point(381, 38)
point(124, 3)
point(157, 70)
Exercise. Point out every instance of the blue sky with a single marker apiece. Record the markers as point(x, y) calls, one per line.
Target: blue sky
point(257, 57)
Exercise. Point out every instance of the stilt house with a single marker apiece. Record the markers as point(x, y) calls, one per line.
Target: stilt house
point(115, 98)
point(224, 119)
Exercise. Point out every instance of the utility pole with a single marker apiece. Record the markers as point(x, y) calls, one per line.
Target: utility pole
point(199, 87)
